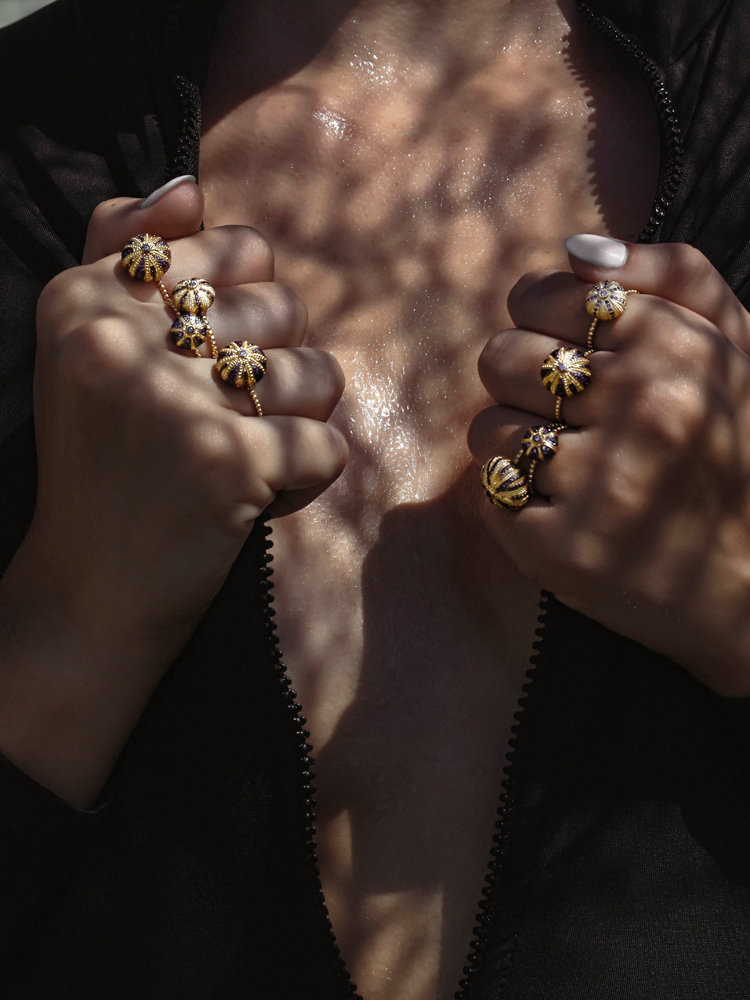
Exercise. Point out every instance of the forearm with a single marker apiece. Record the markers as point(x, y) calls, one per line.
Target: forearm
point(72, 685)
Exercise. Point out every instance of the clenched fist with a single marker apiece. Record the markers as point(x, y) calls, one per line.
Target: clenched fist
point(152, 471)
point(642, 518)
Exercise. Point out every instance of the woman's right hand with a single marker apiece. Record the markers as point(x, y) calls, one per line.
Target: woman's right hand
point(151, 469)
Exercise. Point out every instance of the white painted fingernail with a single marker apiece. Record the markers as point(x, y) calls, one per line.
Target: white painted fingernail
point(156, 195)
point(597, 250)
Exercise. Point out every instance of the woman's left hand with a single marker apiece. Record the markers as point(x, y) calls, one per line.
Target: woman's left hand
point(642, 518)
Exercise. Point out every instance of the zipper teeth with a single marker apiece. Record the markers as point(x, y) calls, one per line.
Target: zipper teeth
point(304, 760)
point(188, 143)
point(669, 179)
point(670, 173)
point(505, 812)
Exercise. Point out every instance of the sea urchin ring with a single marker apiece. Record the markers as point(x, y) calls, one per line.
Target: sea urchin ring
point(242, 364)
point(189, 331)
point(541, 442)
point(566, 371)
point(146, 257)
point(504, 484)
point(607, 300)
point(194, 296)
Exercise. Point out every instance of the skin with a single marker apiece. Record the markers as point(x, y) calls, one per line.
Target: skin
point(98, 602)
point(405, 266)
point(409, 162)
point(646, 525)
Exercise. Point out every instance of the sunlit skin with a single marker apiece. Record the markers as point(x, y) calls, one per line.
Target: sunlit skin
point(408, 164)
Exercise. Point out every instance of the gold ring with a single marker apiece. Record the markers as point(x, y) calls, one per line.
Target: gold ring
point(194, 296)
point(191, 299)
point(243, 365)
point(504, 484)
point(606, 300)
point(565, 372)
point(540, 442)
point(146, 257)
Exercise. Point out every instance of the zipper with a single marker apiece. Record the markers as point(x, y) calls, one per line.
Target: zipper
point(307, 775)
point(505, 813)
point(672, 152)
point(669, 178)
point(304, 760)
point(670, 173)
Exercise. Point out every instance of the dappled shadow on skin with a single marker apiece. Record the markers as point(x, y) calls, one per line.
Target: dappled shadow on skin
point(403, 228)
point(403, 234)
point(694, 505)
point(416, 761)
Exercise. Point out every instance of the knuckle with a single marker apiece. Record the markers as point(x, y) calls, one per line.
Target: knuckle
point(101, 217)
point(339, 450)
point(584, 554)
point(670, 411)
point(215, 446)
point(326, 447)
point(292, 309)
point(527, 285)
point(67, 295)
point(284, 308)
point(688, 265)
point(491, 356)
point(98, 352)
point(253, 248)
point(331, 373)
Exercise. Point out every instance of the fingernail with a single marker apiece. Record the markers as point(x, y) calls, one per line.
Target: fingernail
point(597, 250)
point(156, 195)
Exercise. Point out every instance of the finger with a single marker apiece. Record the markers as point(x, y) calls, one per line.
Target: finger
point(225, 256)
point(301, 381)
point(294, 453)
point(553, 302)
point(681, 274)
point(178, 212)
point(290, 501)
point(267, 313)
point(510, 369)
point(499, 430)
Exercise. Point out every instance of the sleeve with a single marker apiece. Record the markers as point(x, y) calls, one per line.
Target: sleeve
point(42, 837)
point(737, 712)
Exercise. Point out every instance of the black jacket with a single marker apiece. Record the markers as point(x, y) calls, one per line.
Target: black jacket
point(621, 863)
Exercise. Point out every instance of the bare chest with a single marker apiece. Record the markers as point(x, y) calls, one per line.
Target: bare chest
point(402, 211)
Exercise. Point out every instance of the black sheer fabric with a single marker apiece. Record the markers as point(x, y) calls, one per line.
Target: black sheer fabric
point(621, 864)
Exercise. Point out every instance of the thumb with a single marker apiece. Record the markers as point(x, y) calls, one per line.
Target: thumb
point(673, 271)
point(173, 210)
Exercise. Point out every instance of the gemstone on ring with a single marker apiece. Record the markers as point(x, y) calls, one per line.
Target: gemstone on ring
point(540, 442)
point(146, 257)
point(504, 484)
point(566, 371)
point(194, 296)
point(241, 363)
point(606, 300)
point(189, 331)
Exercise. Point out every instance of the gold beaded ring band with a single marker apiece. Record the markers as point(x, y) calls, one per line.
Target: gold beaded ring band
point(566, 370)
point(240, 363)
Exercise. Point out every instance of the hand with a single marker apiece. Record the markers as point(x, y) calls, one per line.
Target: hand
point(642, 519)
point(151, 474)
point(151, 469)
